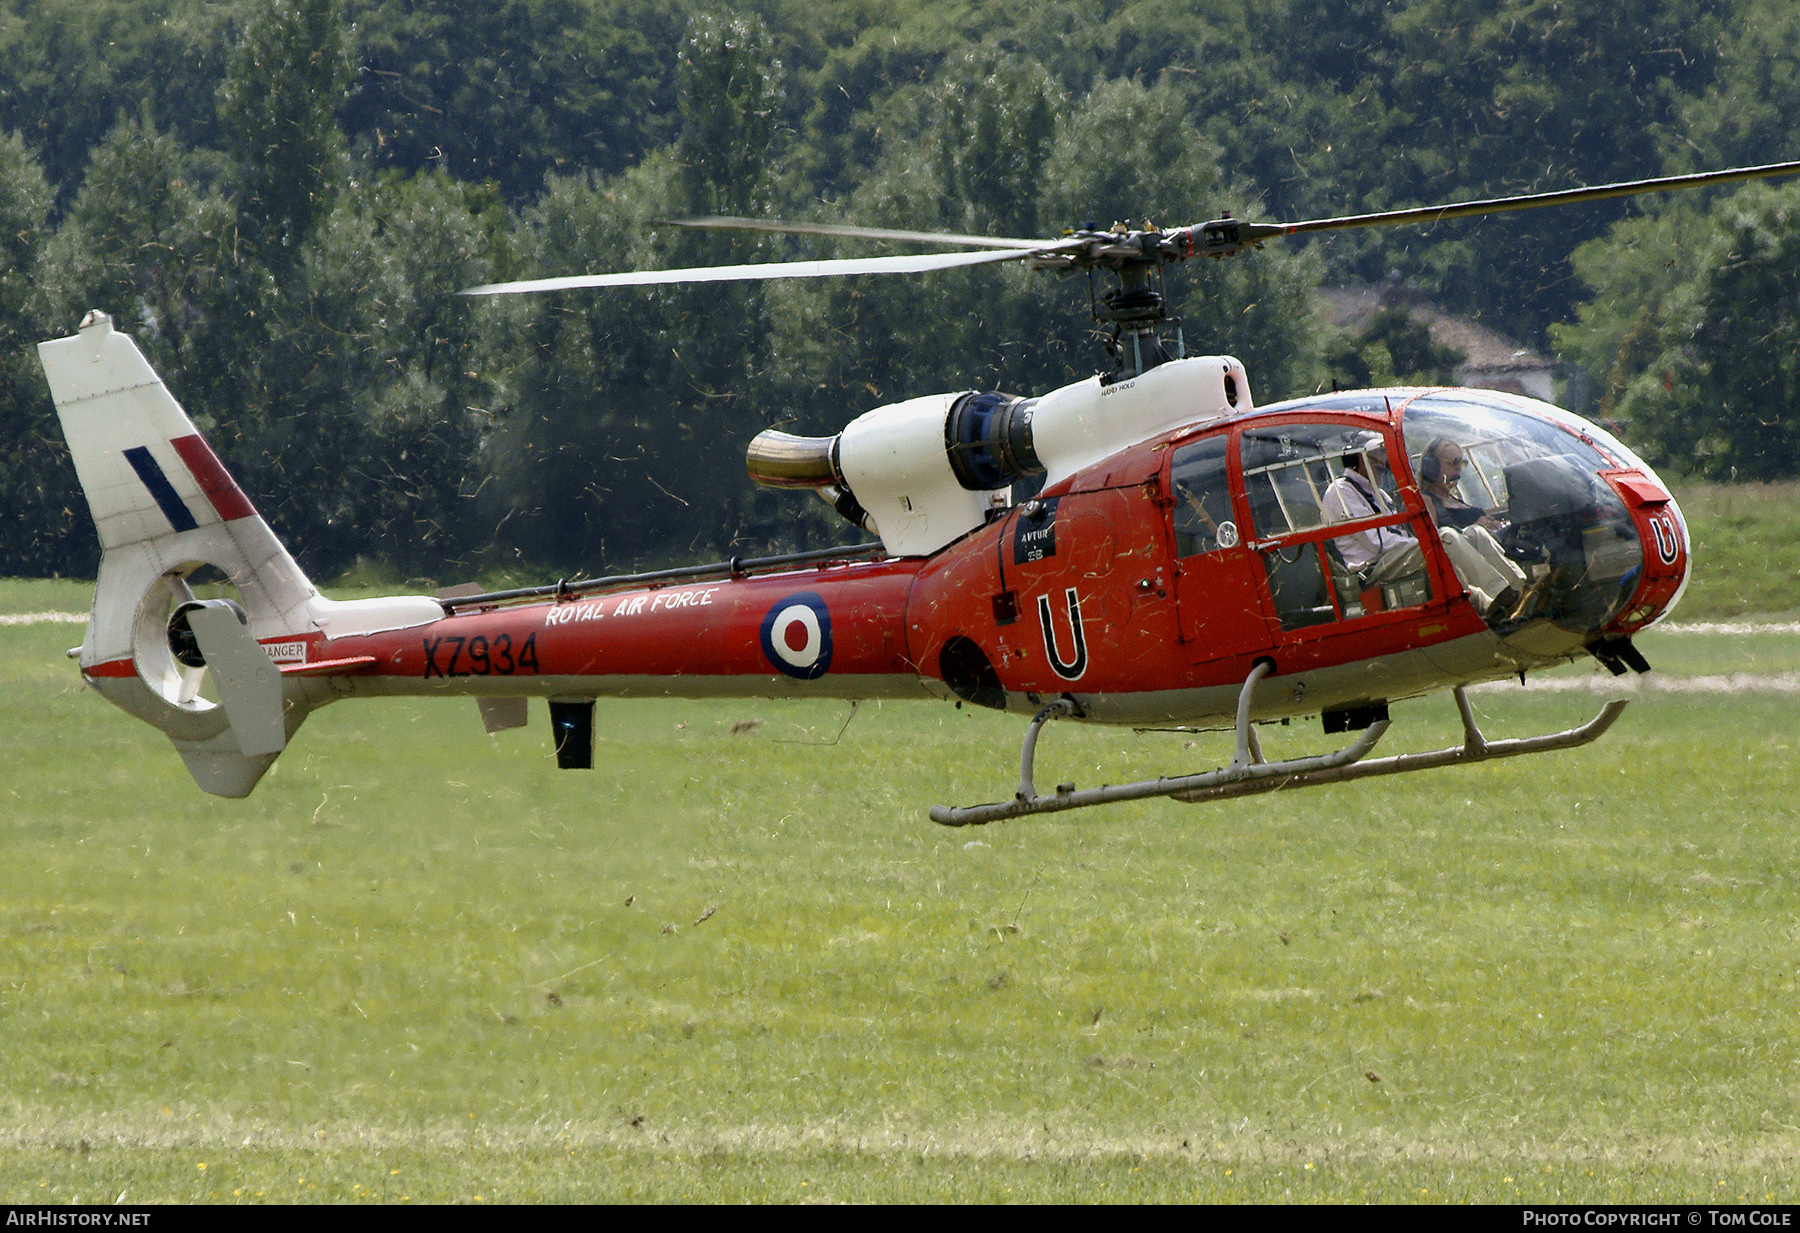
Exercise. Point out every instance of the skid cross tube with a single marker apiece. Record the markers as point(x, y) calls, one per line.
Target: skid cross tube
point(1249, 774)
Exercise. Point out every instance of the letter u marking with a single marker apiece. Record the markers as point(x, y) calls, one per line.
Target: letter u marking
point(1073, 668)
point(1662, 529)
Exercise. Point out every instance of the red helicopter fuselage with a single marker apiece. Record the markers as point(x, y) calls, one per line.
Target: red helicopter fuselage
point(1107, 589)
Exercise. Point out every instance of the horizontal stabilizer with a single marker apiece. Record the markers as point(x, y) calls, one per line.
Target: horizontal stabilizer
point(220, 769)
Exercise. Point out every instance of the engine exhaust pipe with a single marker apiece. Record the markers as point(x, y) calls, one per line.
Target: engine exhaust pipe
point(782, 460)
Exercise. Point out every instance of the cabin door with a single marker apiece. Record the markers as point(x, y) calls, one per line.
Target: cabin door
point(1297, 492)
point(1217, 591)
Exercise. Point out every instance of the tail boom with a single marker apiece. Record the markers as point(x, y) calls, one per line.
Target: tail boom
point(165, 506)
point(836, 631)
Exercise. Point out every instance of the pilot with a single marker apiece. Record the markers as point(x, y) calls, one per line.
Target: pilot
point(1383, 555)
point(1440, 470)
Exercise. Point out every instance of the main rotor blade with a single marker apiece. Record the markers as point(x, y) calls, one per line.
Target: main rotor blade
point(776, 227)
point(1533, 201)
point(769, 269)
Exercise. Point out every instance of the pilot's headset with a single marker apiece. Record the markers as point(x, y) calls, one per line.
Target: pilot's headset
point(1431, 469)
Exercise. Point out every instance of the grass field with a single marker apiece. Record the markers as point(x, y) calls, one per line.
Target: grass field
point(1746, 549)
point(420, 964)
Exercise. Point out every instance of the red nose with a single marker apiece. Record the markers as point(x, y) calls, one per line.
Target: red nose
point(1663, 536)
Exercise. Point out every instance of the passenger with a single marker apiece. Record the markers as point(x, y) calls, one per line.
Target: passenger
point(1383, 555)
point(1440, 470)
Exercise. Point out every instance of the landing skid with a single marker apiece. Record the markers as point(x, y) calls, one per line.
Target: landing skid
point(1249, 774)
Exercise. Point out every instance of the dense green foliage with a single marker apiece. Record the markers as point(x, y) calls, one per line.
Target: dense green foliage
point(280, 197)
point(1697, 327)
point(1393, 349)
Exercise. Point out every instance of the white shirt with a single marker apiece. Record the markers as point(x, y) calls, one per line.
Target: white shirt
point(1352, 496)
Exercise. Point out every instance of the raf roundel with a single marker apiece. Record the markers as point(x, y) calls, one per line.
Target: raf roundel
point(796, 636)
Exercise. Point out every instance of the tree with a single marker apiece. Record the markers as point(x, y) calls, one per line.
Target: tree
point(340, 396)
point(1443, 100)
point(1394, 349)
point(625, 411)
point(365, 407)
point(730, 91)
point(142, 242)
point(609, 446)
point(988, 132)
point(1698, 329)
point(512, 91)
point(41, 510)
point(1115, 154)
point(1750, 111)
point(1125, 152)
point(69, 69)
point(278, 105)
point(1632, 272)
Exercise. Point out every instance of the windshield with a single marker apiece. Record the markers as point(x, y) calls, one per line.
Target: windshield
point(1536, 487)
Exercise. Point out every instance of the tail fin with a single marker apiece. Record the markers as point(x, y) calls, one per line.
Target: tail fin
point(164, 506)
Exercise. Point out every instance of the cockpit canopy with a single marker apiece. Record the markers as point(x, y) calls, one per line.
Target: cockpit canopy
point(1559, 520)
point(1541, 481)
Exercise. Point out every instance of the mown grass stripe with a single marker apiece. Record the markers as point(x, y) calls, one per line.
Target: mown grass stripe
point(43, 618)
point(1654, 683)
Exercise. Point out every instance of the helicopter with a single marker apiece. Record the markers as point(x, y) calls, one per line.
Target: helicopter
point(1190, 559)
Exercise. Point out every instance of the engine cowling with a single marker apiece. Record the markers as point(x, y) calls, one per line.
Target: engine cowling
point(927, 471)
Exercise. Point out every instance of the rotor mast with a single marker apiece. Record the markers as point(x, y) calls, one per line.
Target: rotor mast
point(1136, 308)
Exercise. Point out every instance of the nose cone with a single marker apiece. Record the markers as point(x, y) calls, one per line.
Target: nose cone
point(1663, 533)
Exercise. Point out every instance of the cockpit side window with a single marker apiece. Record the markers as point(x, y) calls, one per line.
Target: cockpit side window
point(1203, 518)
point(1288, 468)
point(1295, 479)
